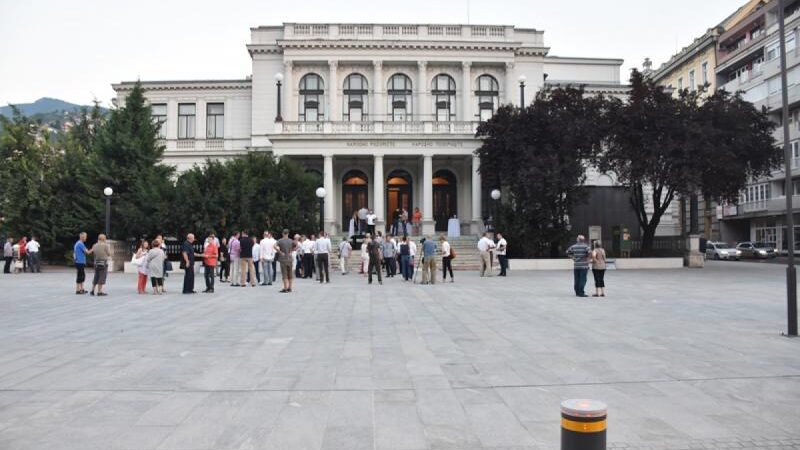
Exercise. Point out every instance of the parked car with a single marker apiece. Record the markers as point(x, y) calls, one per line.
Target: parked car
point(756, 250)
point(721, 250)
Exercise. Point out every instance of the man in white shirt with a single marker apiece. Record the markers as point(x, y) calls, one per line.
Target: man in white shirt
point(267, 259)
point(362, 220)
point(322, 248)
point(34, 262)
point(257, 258)
point(371, 217)
point(345, 249)
point(308, 257)
point(485, 246)
point(412, 250)
point(501, 254)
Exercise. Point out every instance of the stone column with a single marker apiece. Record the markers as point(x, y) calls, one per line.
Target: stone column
point(510, 86)
point(288, 102)
point(335, 109)
point(477, 214)
point(378, 194)
point(466, 91)
point(421, 109)
point(330, 195)
point(378, 104)
point(427, 195)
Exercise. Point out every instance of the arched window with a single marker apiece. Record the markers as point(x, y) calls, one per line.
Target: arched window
point(399, 96)
point(312, 92)
point(488, 95)
point(443, 90)
point(355, 98)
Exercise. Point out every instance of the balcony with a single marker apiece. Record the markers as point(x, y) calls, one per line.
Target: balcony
point(752, 207)
point(379, 127)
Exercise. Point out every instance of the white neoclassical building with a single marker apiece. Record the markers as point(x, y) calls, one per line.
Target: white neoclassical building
point(384, 113)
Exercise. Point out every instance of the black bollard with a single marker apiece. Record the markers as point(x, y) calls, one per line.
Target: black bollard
point(583, 425)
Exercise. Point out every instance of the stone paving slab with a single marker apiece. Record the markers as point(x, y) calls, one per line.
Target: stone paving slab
point(686, 359)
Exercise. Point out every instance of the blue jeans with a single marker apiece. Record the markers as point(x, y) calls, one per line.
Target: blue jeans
point(580, 280)
point(267, 273)
point(405, 267)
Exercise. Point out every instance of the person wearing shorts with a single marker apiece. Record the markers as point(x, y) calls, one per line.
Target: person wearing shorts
point(284, 248)
point(80, 252)
point(102, 252)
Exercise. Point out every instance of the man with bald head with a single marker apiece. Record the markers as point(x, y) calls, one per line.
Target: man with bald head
point(187, 262)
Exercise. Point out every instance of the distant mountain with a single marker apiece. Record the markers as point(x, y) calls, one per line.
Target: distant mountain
point(44, 105)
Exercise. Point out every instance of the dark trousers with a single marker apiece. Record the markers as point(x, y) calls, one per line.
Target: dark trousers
point(503, 259)
point(391, 266)
point(322, 267)
point(580, 281)
point(308, 265)
point(209, 276)
point(362, 226)
point(298, 266)
point(374, 264)
point(224, 270)
point(371, 229)
point(447, 266)
point(405, 267)
point(599, 277)
point(274, 270)
point(256, 264)
point(7, 266)
point(34, 263)
point(188, 279)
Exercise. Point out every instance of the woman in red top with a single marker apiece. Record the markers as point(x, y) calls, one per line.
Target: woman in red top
point(23, 253)
point(210, 256)
point(416, 221)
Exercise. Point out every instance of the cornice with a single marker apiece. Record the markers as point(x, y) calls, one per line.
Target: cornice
point(184, 85)
point(282, 44)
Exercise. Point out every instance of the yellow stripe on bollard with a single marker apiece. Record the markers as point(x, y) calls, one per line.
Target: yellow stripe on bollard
point(583, 427)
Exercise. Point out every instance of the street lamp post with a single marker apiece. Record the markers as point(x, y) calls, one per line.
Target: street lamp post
point(495, 194)
point(278, 80)
point(791, 274)
point(522, 79)
point(108, 192)
point(321, 196)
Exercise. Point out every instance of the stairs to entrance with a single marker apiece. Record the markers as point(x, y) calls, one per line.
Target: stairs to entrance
point(467, 257)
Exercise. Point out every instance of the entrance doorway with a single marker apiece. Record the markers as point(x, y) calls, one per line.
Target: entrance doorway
point(445, 202)
point(354, 195)
point(398, 194)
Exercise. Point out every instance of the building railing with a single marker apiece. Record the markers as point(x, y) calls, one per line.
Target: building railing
point(185, 144)
point(399, 31)
point(379, 127)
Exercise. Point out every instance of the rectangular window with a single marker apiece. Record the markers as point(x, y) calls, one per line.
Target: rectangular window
point(186, 118)
point(680, 84)
point(772, 51)
point(215, 121)
point(704, 73)
point(774, 85)
point(692, 86)
point(159, 112)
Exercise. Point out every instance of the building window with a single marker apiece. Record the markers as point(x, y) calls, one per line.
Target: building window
point(355, 98)
point(488, 95)
point(704, 73)
point(215, 121)
point(692, 86)
point(399, 96)
point(680, 84)
point(186, 118)
point(312, 92)
point(159, 113)
point(443, 90)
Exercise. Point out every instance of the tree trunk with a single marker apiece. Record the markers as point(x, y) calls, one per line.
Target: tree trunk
point(648, 235)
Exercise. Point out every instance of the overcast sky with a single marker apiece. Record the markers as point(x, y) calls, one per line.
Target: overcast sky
point(74, 50)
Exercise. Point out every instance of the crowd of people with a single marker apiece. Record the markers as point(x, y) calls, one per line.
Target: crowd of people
point(243, 260)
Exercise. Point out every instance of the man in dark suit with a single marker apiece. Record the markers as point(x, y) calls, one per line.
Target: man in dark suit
point(187, 260)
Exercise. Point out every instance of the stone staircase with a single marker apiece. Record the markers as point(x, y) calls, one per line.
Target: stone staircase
point(467, 257)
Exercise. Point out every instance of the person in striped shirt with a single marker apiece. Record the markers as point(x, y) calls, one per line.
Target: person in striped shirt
point(579, 252)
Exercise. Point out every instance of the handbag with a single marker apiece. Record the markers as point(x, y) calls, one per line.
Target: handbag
point(452, 253)
point(167, 265)
point(137, 261)
point(18, 264)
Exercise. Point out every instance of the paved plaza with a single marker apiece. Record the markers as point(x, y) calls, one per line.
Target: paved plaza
point(685, 359)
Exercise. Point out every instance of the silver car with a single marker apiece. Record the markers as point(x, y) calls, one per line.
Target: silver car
point(721, 250)
point(756, 250)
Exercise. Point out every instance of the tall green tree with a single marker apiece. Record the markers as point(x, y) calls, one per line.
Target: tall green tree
point(537, 156)
point(660, 146)
point(129, 161)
